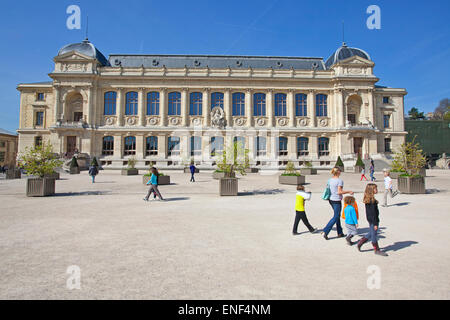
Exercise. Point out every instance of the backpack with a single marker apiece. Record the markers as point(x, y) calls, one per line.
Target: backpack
point(327, 192)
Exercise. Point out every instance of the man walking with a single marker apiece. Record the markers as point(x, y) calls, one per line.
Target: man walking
point(192, 168)
point(388, 187)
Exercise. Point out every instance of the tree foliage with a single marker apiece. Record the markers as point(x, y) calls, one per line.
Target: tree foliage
point(74, 162)
point(409, 158)
point(290, 170)
point(131, 163)
point(415, 114)
point(234, 159)
point(442, 110)
point(359, 162)
point(339, 162)
point(39, 161)
point(94, 162)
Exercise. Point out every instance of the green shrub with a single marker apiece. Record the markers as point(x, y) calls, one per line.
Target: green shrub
point(409, 158)
point(290, 170)
point(39, 161)
point(339, 162)
point(74, 163)
point(94, 162)
point(359, 162)
point(308, 164)
point(234, 159)
point(132, 163)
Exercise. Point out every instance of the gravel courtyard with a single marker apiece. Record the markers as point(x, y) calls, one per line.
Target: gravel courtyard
point(198, 245)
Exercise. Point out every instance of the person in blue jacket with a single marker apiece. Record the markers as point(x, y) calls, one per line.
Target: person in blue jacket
point(192, 168)
point(351, 219)
point(153, 182)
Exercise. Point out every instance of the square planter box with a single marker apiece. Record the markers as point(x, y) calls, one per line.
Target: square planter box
point(251, 170)
point(395, 175)
point(411, 185)
point(13, 174)
point(54, 175)
point(308, 171)
point(130, 172)
point(162, 180)
point(40, 187)
point(74, 170)
point(220, 175)
point(291, 180)
point(188, 170)
point(228, 187)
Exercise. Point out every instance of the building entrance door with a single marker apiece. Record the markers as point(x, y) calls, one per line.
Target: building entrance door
point(71, 145)
point(357, 146)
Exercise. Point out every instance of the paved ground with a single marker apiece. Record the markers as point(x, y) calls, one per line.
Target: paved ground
point(198, 245)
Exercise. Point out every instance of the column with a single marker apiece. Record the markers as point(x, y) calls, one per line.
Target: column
point(339, 99)
point(140, 146)
point(57, 111)
point(163, 107)
point(312, 108)
point(291, 107)
point(120, 106)
point(206, 148)
point(184, 107)
point(269, 108)
point(251, 147)
point(162, 146)
point(89, 106)
point(371, 108)
point(118, 140)
point(184, 146)
point(292, 147)
point(227, 107)
point(314, 147)
point(249, 107)
point(141, 107)
point(206, 109)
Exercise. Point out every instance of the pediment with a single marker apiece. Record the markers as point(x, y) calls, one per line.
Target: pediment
point(356, 61)
point(73, 56)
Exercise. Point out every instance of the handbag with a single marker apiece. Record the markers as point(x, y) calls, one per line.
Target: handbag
point(327, 193)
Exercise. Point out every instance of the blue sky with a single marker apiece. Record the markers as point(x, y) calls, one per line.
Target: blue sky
point(412, 49)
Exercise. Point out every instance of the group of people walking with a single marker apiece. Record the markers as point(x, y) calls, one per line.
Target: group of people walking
point(334, 194)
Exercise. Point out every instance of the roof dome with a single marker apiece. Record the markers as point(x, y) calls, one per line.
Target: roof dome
point(345, 52)
point(86, 48)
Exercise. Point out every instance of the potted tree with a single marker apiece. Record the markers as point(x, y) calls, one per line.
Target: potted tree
point(339, 164)
point(233, 160)
point(308, 169)
point(291, 176)
point(410, 159)
point(131, 168)
point(74, 168)
point(359, 164)
point(40, 162)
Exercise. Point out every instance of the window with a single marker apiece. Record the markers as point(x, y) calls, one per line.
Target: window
point(110, 103)
point(385, 100)
point(151, 146)
point(387, 145)
point(387, 120)
point(2, 144)
point(238, 104)
point(282, 146)
point(239, 140)
point(323, 147)
point(259, 104)
point(40, 96)
point(216, 146)
point(2, 156)
point(108, 146)
point(153, 103)
point(131, 107)
point(321, 105)
point(173, 144)
point(280, 105)
point(302, 146)
point(261, 146)
point(130, 146)
point(301, 105)
point(77, 116)
point(216, 100)
point(351, 117)
point(195, 108)
point(40, 118)
point(196, 146)
point(174, 104)
point(38, 141)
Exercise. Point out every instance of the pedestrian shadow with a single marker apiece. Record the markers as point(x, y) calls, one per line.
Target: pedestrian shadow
point(84, 193)
point(104, 182)
point(432, 191)
point(176, 199)
point(261, 192)
point(399, 245)
point(401, 204)
point(300, 233)
point(362, 232)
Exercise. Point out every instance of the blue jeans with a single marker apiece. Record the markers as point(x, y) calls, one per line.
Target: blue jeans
point(93, 179)
point(337, 207)
point(372, 235)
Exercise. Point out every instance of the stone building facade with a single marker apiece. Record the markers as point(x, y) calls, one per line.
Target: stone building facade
point(8, 148)
point(165, 109)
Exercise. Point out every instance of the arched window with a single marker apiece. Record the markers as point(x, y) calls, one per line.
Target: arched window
point(238, 104)
point(282, 146)
point(151, 146)
point(302, 146)
point(301, 105)
point(280, 105)
point(110, 103)
point(173, 146)
point(195, 108)
point(131, 107)
point(108, 146)
point(216, 145)
point(324, 146)
point(261, 146)
point(129, 146)
point(174, 105)
point(153, 103)
point(216, 100)
point(321, 105)
point(259, 104)
point(196, 146)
